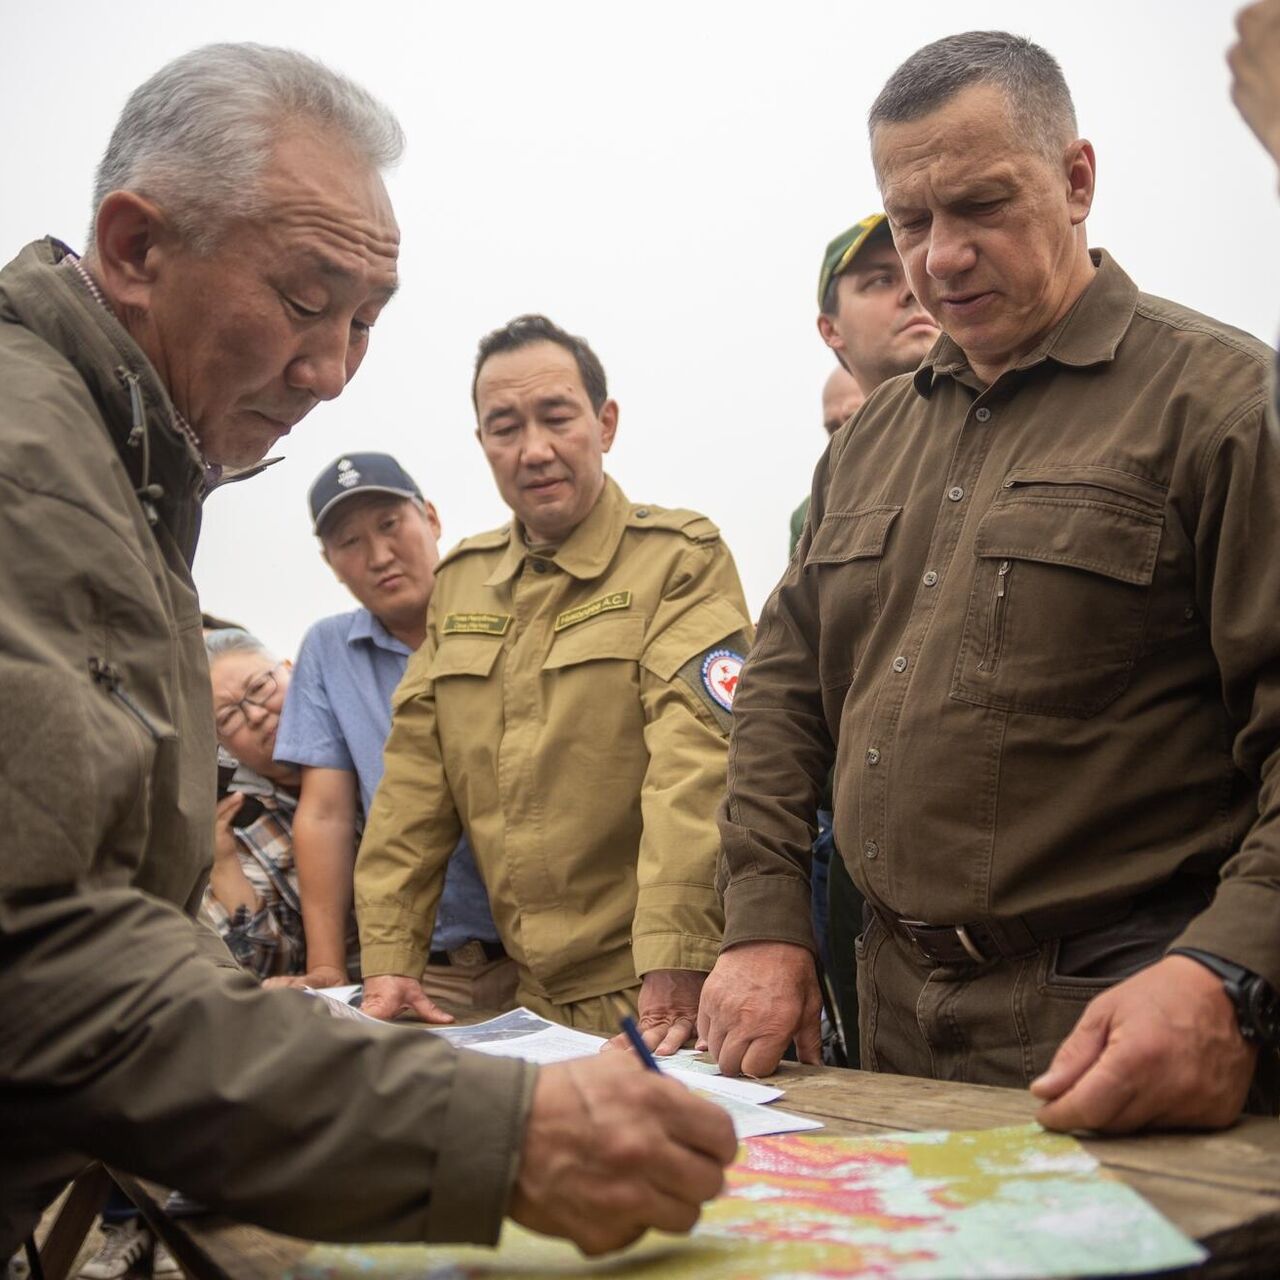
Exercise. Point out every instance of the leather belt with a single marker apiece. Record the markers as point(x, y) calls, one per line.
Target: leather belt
point(981, 941)
point(470, 953)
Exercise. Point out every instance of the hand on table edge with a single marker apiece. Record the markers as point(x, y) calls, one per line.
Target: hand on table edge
point(389, 994)
point(1162, 1049)
point(668, 1010)
point(760, 998)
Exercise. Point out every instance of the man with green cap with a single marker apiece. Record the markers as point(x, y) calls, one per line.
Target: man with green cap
point(869, 317)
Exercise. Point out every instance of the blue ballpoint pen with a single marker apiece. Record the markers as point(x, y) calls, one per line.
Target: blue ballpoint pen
point(632, 1032)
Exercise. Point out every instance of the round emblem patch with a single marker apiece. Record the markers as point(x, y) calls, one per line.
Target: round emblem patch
point(721, 669)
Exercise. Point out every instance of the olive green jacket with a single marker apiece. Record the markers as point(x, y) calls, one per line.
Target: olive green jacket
point(126, 1033)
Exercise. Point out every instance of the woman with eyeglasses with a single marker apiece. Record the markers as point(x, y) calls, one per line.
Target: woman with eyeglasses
point(252, 897)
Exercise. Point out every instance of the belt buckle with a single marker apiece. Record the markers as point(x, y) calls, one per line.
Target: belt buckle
point(469, 954)
point(961, 931)
point(974, 952)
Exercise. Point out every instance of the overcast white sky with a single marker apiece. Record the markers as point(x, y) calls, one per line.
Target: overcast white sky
point(659, 177)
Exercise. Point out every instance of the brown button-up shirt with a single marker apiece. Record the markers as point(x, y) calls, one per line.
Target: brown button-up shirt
point(1039, 624)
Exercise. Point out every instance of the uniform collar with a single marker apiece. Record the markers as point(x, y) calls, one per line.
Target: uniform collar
point(365, 626)
point(1088, 334)
point(587, 551)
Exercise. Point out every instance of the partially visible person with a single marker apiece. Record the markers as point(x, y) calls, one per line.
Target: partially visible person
point(570, 712)
point(252, 896)
point(868, 313)
point(1255, 69)
point(869, 316)
point(242, 246)
point(842, 397)
point(380, 537)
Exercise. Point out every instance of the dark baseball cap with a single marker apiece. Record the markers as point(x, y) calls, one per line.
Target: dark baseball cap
point(356, 473)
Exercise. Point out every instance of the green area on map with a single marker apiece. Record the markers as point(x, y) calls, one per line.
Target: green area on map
point(988, 1203)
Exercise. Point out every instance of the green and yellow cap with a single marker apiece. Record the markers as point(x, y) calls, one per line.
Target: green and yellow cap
point(843, 249)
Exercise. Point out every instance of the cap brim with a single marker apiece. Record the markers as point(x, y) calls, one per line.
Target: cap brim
point(355, 493)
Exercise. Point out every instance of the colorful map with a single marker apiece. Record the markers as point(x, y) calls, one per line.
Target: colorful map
point(989, 1203)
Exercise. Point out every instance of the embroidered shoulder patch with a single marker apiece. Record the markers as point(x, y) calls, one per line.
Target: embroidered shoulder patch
point(721, 669)
point(487, 624)
point(570, 617)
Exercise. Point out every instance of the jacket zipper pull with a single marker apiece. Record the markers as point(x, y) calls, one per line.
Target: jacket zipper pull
point(112, 681)
point(1001, 574)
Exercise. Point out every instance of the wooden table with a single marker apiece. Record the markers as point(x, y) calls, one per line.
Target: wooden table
point(1223, 1188)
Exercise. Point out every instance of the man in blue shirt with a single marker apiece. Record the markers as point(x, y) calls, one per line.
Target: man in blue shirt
point(379, 536)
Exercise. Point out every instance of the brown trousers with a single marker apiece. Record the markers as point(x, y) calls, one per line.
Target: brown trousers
point(1001, 1022)
point(996, 1023)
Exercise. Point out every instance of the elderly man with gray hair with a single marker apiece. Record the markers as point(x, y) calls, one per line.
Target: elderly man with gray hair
point(242, 247)
point(1035, 609)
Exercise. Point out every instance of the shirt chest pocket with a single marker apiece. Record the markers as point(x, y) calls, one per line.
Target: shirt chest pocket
point(591, 690)
point(1064, 563)
point(456, 658)
point(846, 554)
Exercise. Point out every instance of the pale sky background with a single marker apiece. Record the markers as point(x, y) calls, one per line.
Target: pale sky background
point(658, 177)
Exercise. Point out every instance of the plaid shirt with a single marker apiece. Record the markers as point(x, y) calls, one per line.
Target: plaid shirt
point(269, 941)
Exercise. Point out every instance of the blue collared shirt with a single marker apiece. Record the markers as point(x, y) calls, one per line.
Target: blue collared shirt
point(337, 715)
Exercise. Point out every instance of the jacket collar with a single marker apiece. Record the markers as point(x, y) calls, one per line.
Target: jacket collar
point(586, 552)
point(52, 302)
point(1088, 334)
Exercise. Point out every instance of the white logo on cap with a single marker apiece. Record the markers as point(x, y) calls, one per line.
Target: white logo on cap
point(347, 474)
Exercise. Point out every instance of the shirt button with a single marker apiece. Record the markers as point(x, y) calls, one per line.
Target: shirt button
point(930, 579)
point(539, 566)
point(873, 755)
point(1188, 613)
point(871, 849)
point(899, 663)
point(955, 493)
point(642, 513)
point(983, 414)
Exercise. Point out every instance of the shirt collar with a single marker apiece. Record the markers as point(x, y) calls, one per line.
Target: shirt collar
point(1088, 334)
point(365, 626)
point(586, 552)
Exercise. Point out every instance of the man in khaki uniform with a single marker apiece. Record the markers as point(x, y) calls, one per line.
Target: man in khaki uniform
point(570, 711)
point(1035, 615)
point(242, 247)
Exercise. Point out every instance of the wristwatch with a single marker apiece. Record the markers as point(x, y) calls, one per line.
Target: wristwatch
point(1256, 1003)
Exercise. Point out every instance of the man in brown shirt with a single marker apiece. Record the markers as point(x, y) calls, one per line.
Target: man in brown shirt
point(1034, 619)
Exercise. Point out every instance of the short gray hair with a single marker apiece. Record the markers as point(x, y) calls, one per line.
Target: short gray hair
point(219, 644)
point(195, 136)
point(1030, 77)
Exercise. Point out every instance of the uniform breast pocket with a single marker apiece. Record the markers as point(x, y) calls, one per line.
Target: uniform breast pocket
point(591, 687)
point(846, 554)
point(1061, 589)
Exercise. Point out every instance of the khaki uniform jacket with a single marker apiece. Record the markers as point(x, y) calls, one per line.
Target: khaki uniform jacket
point(126, 1032)
point(558, 712)
point(1039, 624)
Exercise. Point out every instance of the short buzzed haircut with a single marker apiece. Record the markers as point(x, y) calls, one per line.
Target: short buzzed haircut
point(1030, 77)
point(525, 331)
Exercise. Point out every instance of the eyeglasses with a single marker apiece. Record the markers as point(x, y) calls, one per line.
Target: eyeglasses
point(231, 719)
